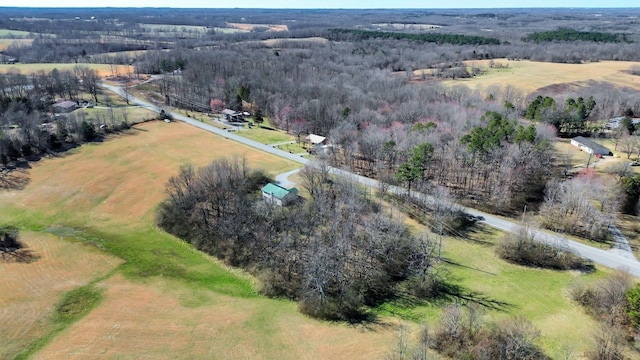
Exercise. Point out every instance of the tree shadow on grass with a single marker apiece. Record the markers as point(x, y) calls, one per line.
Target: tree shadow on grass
point(15, 178)
point(20, 255)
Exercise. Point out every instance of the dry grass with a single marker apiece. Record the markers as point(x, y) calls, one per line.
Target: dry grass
point(102, 69)
point(5, 43)
point(250, 27)
point(114, 187)
point(163, 320)
point(530, 76)
point(29, 291)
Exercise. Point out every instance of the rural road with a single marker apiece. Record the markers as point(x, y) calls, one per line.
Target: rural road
point(611, 259)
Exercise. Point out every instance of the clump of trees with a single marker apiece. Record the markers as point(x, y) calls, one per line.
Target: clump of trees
point(522, 247)
point(614, 303)
point(11, 248)
point(584, 206)
point(337, 255)
point(463, 333)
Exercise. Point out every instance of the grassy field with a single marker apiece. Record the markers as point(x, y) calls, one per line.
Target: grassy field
point(507, 290)
point(163, 299)
point(530, 76)
point(13, 33)
point(266, 135)
point(102, 69)
point(250, 27)
point(5, 43)
point(157, 297)
point(98, 115)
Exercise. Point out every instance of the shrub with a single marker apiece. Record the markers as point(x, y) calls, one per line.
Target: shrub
point(522, 248)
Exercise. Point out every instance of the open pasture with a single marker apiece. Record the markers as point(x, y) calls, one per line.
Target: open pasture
point(530, 76)
point(167, 300)
point(5, 43)
point(8, 33)
point(102, 69)
point(251, 27)
point(29, 291)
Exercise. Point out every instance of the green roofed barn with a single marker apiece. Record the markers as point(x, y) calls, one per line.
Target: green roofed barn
point(278, 195)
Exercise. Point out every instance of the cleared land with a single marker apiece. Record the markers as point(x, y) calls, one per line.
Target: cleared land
point(5, 43)
point(13, 33)
point(29, 291)
point(251, 27)
point(167, 300)
point(530, 76)
point(102, 69)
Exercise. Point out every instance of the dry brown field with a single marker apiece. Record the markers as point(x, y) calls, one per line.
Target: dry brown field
point(530, 76)
point(5, 43)
point(29, 291)
point(114, 187)
point(102, 69)
point(249, 27)
point(166, 320)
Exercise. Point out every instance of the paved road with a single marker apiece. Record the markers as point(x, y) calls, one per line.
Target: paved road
point(213, 129)
point(603, 257)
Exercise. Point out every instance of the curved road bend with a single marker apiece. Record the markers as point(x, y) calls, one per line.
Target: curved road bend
point(603, 257)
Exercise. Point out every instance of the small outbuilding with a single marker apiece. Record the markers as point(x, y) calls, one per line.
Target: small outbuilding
point(316, 140)
point(65, 106)
point(278, 195)
point(590, 146)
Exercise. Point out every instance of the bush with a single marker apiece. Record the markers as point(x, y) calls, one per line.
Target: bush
point(522, 248)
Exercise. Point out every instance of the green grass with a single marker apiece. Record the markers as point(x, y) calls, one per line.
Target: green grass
point(266, 135)
point(293, 148)
point(507, 290)
point(77, 303)
point(73, 306)
point(132, 113)
point(13, 33)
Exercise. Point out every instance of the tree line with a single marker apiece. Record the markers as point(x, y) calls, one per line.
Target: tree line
point(455, 39)
point(575, 35)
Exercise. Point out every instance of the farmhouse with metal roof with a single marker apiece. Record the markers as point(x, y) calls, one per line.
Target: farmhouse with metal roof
point(278, 195)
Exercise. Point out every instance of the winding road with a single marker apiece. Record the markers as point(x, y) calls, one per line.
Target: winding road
point(614, 258)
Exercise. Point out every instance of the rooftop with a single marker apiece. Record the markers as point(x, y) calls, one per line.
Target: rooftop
point(277, 190)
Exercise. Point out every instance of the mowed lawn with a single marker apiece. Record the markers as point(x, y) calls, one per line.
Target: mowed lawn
point(530, 75)
point(95, 207)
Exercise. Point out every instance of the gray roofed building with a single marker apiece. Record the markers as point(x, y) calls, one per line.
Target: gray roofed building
point(590, 146)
